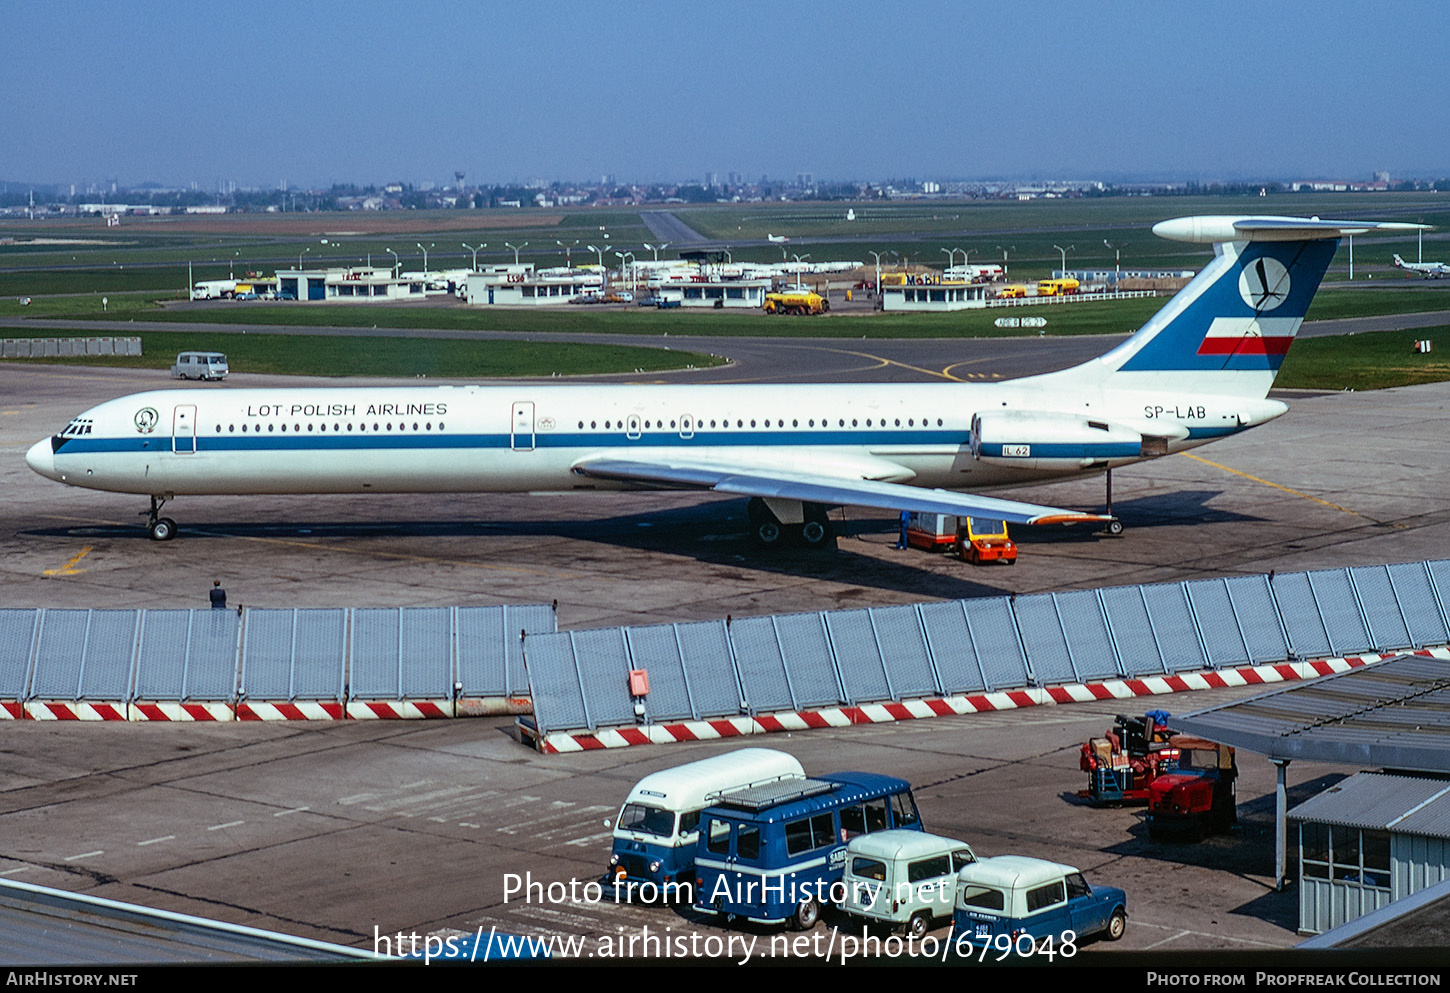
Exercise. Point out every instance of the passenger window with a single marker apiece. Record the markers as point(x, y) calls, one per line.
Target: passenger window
point(719, 841)
point(853, 822)
point(982, 898)
point(876, 815)
point(823, 830)
point(1077, 886)
point(798, 836)
point(961, 858)
point(869, 869)
point(903, 807)
point(747, 842)
point(937, 865)
point(689, 822)
point(1045, 896)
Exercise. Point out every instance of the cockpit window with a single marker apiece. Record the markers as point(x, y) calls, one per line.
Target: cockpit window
point(76, 428)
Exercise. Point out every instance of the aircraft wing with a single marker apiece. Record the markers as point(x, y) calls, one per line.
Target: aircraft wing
point(824, 489)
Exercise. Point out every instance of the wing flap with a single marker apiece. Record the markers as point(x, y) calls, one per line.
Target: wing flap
point(829, 490)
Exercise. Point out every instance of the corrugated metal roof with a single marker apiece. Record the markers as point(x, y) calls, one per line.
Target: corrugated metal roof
point(1393, 714)
point(44, 926)
point(1403, 804)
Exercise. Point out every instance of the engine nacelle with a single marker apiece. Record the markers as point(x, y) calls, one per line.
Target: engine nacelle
point(1039, 439)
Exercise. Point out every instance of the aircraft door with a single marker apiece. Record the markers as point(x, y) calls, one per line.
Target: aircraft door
point(183, 429)
point(521, 434)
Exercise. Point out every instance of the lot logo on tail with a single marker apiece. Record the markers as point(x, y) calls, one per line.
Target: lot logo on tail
point(1264, 283)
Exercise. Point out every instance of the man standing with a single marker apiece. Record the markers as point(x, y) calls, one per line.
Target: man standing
point(218, 595)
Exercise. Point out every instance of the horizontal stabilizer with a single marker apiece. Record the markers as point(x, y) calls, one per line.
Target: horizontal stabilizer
point(1210, 229)
point(827, 490)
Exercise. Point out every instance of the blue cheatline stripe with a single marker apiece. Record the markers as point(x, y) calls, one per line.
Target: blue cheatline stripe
point(453, 442)
point(1115, 450)
point(1212, 432)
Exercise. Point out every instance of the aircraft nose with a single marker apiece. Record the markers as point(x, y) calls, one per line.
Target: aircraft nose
point(41, 458)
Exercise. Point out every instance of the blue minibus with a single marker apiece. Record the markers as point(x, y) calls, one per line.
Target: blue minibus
point(775, 853)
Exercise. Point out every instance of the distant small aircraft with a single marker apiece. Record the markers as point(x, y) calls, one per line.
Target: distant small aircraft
point(777, 239)
point(1430, 270)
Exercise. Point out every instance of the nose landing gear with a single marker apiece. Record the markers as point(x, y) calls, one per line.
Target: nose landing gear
point(160, 528)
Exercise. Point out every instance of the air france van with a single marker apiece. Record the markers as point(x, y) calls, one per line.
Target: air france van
point(1034, 899)
point(903, 878)
point(775, 853)
point(658, 826)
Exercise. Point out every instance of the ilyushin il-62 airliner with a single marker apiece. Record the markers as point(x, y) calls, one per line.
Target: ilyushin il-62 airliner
point(1199, 370)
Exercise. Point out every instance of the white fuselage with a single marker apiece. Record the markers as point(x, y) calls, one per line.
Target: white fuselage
point(522, 437)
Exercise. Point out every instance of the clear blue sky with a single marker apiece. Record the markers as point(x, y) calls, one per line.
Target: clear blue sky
point(317, 92)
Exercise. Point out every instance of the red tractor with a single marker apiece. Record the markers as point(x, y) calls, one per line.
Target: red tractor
point(1197, 798)
point(1125, 762)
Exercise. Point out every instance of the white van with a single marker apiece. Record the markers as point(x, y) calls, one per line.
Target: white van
point(658, 826)
point(903, 878)
point(200, 365)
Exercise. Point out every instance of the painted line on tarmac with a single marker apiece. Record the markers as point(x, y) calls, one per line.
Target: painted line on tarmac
point(1180, 932)
point(69, 569)
point(900, 365)
point(317, 546)
point(1287, 489)
point(429, 559)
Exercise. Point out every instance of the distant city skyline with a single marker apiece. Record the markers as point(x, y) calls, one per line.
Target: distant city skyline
point(375, 92)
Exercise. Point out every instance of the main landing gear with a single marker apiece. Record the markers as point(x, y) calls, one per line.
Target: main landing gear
point(813, 530)
point(160, 528)
point(1114, 526)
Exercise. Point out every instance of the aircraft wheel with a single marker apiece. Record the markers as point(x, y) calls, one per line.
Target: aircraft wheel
point(768, 533)
point(162, 529)
point(1115, 527)
point(815, 534)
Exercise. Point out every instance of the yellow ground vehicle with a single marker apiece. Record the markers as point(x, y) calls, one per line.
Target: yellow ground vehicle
point(1058, 287)
point(982, 540)
point(1015, 291)
point(796, 302)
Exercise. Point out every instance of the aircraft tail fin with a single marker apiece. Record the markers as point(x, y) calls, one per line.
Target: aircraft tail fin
point(1228, 330)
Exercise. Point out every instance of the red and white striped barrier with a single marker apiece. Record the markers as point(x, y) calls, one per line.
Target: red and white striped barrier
point(881, 713)
point(54, 710)
point(300, 711)
point(398, 710)
point(181, 712)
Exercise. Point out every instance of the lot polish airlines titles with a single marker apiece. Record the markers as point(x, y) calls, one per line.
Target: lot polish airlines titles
point(346, 410)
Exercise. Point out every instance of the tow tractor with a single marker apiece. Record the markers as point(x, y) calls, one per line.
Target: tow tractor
point(1123, 764)
point(1199, 796)
point(983, 540)
point(975, 539)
